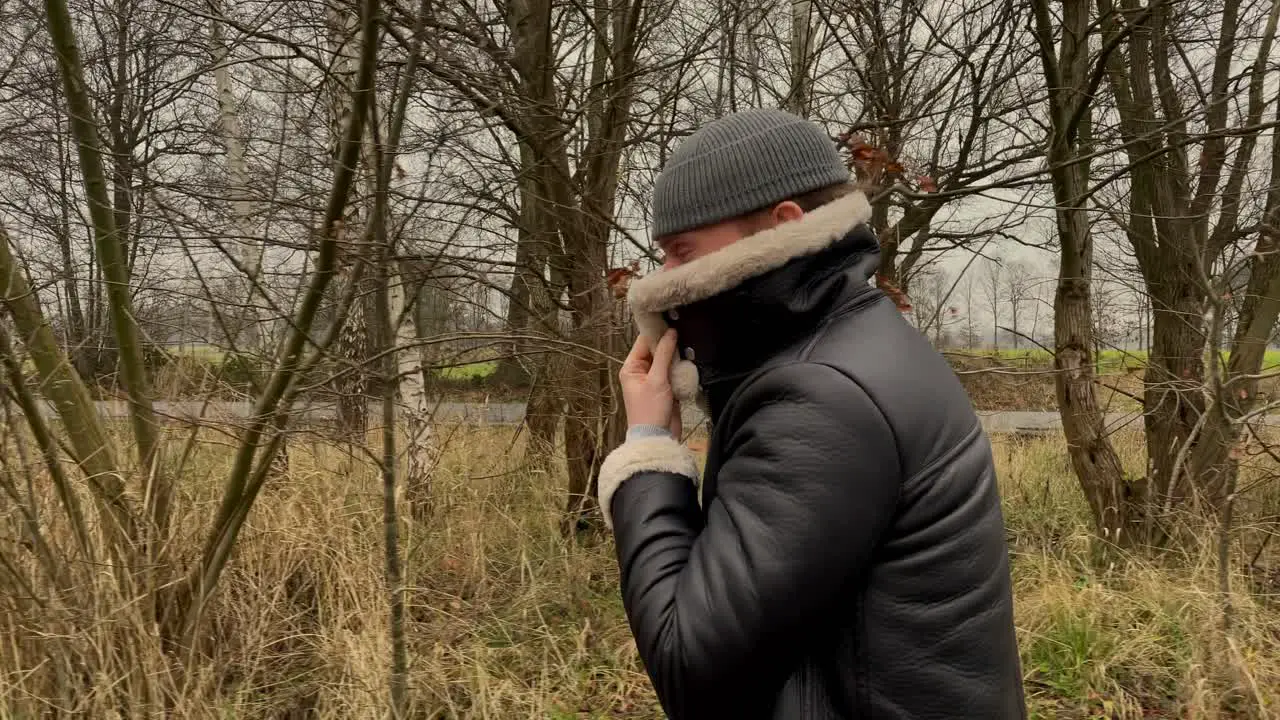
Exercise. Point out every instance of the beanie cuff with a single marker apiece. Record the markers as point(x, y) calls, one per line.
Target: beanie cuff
point(771, 191)
point(739, 164)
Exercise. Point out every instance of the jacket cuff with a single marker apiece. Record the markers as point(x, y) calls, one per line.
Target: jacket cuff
point(635, 432)
point(642, 454)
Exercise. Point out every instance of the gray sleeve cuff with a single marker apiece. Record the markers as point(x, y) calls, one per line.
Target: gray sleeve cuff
point(635, 432)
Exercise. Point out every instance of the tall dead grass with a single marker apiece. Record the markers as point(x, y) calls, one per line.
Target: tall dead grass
point(505, 620)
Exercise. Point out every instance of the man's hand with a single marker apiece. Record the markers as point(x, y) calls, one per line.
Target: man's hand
point(646, 385)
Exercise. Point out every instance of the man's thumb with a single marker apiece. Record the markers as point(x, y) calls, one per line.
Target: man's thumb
point(663, 354)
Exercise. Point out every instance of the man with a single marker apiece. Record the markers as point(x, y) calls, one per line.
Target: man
point(847, 558)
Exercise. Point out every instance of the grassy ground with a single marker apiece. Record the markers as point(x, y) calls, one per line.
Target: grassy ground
point(507, 621)
point(1025, 382)
point(470, 371)
point(1112, 360)
point(1022, 381)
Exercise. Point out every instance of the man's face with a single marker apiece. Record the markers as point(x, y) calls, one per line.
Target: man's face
point(681, 248)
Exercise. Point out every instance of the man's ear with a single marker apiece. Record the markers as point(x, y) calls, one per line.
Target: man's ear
point(786, 211)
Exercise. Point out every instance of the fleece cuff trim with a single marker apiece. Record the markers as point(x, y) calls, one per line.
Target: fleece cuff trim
point(643, 454)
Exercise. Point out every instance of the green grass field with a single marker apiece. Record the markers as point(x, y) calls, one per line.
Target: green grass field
point(470, 371)
point(1114, 359)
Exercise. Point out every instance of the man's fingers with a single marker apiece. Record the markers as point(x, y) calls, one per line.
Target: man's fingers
point(638, 359)
point(663, 354)
point(639, 348)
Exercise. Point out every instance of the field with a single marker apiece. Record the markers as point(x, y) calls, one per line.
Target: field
point(470, 371)
point(508, 621)
point(1109, 360)
point(1022, 380)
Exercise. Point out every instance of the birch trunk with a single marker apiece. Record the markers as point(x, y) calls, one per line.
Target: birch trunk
point(411, 363)
point(352, 347)
point(248, 251)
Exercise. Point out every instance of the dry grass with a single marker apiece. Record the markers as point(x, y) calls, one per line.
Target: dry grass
point(508, 621)
point(1025, 381)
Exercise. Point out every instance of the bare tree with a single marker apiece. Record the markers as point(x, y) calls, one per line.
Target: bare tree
point(142, 579)
point(133, 75)
point(568, 182)
point(1019, 286)
point(931, 308)
point(1189, 204)
point(938, 93)
point(972, 336)
point(1184, 211)
point(1063, 45)
point(991, 282)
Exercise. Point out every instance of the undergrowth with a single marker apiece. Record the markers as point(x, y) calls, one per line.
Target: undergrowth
point(506, 620)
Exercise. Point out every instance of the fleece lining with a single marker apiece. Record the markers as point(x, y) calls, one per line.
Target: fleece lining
point(700, 279)
point(644, 454)
point(729, 267)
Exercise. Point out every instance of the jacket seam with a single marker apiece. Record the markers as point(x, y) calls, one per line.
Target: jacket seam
point(865, 299)
point(897, 443)
point(950, 454)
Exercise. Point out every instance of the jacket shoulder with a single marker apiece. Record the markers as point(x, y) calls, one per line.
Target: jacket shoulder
point(819, 390)
point(904, 375)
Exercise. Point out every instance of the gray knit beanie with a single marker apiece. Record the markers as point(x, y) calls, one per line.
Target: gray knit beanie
point(741, 163)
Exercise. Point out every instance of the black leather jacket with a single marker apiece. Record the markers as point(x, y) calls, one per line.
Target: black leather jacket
point(848, 556)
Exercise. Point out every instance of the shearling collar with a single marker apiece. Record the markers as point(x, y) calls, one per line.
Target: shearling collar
point(711, 275)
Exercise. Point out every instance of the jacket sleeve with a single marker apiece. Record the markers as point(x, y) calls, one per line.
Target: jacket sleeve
point(808, 482)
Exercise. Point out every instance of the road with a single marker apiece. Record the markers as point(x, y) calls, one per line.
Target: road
point(513, 413)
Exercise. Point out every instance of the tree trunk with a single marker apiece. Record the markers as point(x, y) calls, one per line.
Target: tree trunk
point(543, 167)
point(1191, 423)
point(352, 347)
point(1173, 398)
point(420, 450)
point(609, 104)
point(245, 325)
point(1096, 464)
point(539, 311)
point(111, 257)
point(91, 447)
point(531, 309)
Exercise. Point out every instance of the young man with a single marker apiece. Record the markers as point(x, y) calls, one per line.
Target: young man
point(844, 555)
